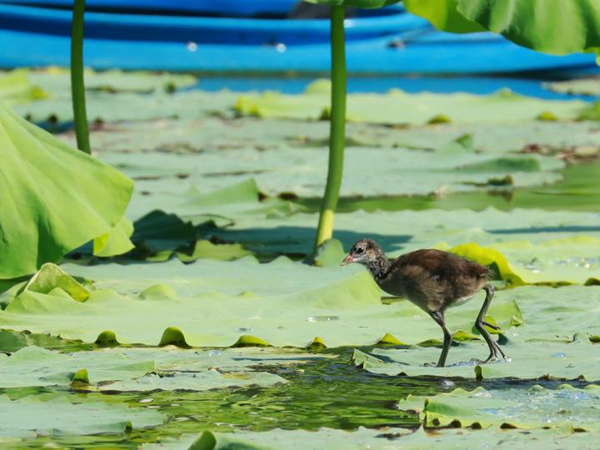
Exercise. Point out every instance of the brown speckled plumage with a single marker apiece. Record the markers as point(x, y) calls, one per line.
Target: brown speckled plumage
point(431, 279)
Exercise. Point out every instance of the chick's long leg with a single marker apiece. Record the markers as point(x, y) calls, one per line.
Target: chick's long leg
point(438, 316)
point(480, 324)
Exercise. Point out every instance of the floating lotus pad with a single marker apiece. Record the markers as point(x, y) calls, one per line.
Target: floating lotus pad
point(584, 86)
point(398, 107)
point(283, 303)
point(181, 136)
point(390, 172)
point(528, 246)
point(108, 107)
point(145, 369)
point(532, 408)
point(530, 361)
point(215, 303)
point(15, 88)
point(58, 81)
point(58, 415)
point(380, 439)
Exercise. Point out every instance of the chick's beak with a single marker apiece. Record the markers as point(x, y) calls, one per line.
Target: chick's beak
point(347, 260)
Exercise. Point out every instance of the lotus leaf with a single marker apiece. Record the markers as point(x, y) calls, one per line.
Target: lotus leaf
point(181, 136)
point(548, 26)
point(58, 82)
point(536, 407)
point(213, 303)
point(146, 369)
point(116, 241)
point(397, 107)
point(583, 86)
point(381, 439)
point(391, 172)
point(59, 198)
point(528, 246)
point(106, 107)
point(15, 88)
point(574, 260)
point(564, 361)
point(34, 416)
point(443, 14)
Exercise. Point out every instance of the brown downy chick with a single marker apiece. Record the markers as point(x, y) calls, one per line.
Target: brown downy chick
point(431, 279)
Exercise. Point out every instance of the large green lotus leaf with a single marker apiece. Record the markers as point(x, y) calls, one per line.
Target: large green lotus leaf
point(116, 241)
point(58, 81)
point(583, 86)
point(537, 407)
point(34, 416)
point(551, 26)
point(397, 107)
point(57, 197)
point(391, 172)
point(213, 303)
point(566, 361)
point(15, 88)
point(443, 14)
point(107, 107)
point(382, 439)
point(146, 369)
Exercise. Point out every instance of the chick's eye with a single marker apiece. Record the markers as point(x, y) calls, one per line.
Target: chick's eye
point(359, 250)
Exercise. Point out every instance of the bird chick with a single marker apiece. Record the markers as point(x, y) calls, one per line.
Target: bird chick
point(433, 280)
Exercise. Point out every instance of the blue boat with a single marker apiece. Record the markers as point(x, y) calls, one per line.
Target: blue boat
point(222, 8)
point(189, 36)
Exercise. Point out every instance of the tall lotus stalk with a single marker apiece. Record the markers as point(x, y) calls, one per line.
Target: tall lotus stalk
point(337, 134)
point(77, 84)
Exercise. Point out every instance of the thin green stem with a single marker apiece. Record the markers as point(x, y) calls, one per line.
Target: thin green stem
point(77, 84)
point(337, 130)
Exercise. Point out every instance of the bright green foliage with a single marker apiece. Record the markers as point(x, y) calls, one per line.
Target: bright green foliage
point(552, 26)
point(56, 198)
point(58, 415)
point(116, 241)
point(443, 14)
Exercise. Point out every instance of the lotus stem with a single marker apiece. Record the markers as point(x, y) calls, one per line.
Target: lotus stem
point(337, 127)
point(77, 85)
